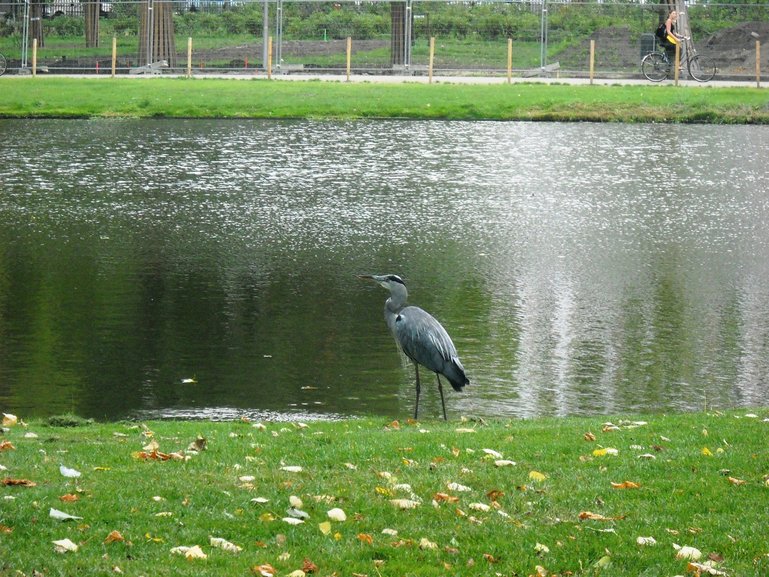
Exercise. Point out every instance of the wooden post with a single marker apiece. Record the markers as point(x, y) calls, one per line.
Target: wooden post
point(114, 55)
point(34, 57)
point(432, 59)
point(269, 58)
point(509, 60)
point(677, 63)
point(349, 56)
point(758, 64)
point(189, 57)
point(592, 60)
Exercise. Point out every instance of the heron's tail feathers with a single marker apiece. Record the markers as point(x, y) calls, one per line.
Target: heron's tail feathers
point(455, 374)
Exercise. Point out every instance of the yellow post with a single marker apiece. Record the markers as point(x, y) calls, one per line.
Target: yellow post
point(189, 57)
point(592, 60)
point(114, 55)
point(432, 59)
point(677, 63)
point(34, 57)
point(269, 58)
point(758, 64)
point(349, 56)
point(509, 60)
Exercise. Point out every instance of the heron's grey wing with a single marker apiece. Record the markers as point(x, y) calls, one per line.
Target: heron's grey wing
point(423, 339)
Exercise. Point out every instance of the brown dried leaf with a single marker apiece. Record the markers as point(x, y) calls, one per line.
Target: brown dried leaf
point(265, 570)
point(735, 481)
point(589, 436)
point(309, 567)
point(365, 538)
point(7, 446)
point(588, 515)
point(445, 497)
point(626, 485)
point(8, 482)
point(114, 537)
point(69, 498)
point(495, 495)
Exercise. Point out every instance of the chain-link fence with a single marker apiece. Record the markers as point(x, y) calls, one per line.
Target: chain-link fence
point(370, 37)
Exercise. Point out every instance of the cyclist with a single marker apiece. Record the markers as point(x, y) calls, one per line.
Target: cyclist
point(668, 36)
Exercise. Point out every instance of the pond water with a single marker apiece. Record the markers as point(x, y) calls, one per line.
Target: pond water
point(580, 268)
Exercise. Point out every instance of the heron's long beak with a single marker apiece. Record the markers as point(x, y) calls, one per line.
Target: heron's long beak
point(366, 276)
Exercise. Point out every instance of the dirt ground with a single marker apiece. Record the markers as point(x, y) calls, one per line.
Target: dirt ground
point(733, 49)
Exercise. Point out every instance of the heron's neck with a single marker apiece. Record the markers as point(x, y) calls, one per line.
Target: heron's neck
point(397, 300)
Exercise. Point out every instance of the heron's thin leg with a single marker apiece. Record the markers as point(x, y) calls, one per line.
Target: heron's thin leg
point(416, 407)
point(440, 390)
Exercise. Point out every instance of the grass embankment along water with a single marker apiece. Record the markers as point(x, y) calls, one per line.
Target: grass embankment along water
point(570, 496)
point(27, 97)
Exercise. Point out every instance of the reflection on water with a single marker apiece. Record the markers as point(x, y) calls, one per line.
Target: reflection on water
point(579, 268)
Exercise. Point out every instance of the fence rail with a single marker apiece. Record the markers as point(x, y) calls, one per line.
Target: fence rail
point(294, 37)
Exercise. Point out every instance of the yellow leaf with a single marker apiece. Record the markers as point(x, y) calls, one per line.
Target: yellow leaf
point(735, 481)
point(325, 527)
point(537, 476)
point(9, 420)
point(114, 537)
point(365, 538)
point(384, 491)
point(706, 452)
point(605, 451)
point(626, 485)
point(266, 517)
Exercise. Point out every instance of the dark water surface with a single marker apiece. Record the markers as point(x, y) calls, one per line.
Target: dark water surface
point(580, 268)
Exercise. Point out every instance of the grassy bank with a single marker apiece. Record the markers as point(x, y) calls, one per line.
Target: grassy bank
point(572, 496)
point(28, 97)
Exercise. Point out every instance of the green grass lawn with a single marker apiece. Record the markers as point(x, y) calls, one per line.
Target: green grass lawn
point(28, 97)
point(571, 496)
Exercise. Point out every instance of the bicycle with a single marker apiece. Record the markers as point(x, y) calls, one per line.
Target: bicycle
point(656, 67)
point(3, 65)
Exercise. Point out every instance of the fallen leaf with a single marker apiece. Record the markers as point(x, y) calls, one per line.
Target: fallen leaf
point(459, 488)
point(590, 516)
point(194, 552)
point(308, 566)
point(493, 453)
point(8, 482)
point(365, 538)
point(504, 463)
point(465, 430)
point(425, 544)
point(537, 476)
point(61, 515)
point(224, 545)
point(292, 469)
point(69, 498)
point(70, 473)
point(541, 549)
point(292, 520)
point(325, 527)
point(646, 541)
point(265, 570)
point(114, 537)
point(445, 498)
point(9, 420)
point(337, 514)
point(589, 436)
point(735, 481)
point(489, 557)
point(64, 546)
point(198, 445)
point(6, 446)
point(706, 452)
point(687, 552)
point(605, 451)
point(479, 507)
point(703, 569)
point(495, 495)
point(405, 503)
point(626, 485)
point(295, 502)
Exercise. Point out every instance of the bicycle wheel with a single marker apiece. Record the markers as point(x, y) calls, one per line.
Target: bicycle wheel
point(3, 65)
point(702, 68)
point(655, 67)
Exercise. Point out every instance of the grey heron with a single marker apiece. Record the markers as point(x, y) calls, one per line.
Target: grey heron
point(421, 337)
